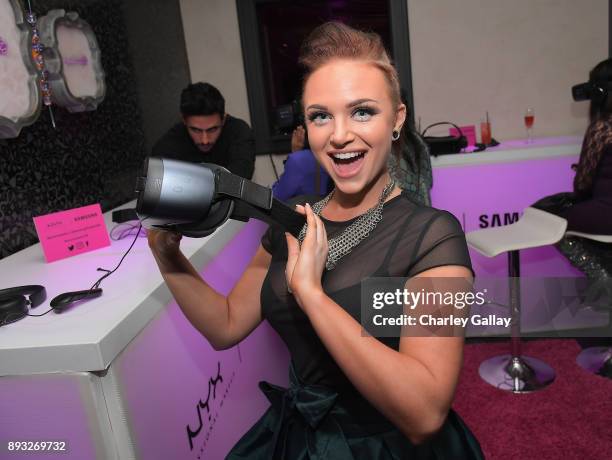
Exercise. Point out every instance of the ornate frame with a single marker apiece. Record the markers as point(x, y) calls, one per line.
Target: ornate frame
point(8, 127)
point(60, 93)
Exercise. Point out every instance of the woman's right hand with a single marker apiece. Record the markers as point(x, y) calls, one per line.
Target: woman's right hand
point(163, 244)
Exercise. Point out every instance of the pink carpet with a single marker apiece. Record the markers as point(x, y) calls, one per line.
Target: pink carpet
point(571, 419)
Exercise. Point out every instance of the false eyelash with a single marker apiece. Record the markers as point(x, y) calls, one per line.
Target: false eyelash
point(313, 115)
point(366, 109)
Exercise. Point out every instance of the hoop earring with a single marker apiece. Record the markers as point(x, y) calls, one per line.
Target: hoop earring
point(395, 135)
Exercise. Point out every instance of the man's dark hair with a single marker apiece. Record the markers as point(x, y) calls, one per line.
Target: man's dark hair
point(202, 99)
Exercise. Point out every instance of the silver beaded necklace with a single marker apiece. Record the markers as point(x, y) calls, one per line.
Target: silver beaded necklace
point(351, 236)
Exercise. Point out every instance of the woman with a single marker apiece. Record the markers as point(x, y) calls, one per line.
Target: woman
point(351, 396)
point(589, 208)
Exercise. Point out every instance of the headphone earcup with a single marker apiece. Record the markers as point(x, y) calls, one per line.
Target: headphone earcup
point(12, 308)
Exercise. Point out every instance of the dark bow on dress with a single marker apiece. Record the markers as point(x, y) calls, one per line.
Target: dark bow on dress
point(324, 438)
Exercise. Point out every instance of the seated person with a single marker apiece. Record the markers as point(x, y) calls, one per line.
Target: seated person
point(592, 210)
point(303, 175)
point(207, 134)
point(589, 208)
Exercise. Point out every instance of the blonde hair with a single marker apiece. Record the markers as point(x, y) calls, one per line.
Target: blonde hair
point(335, 40)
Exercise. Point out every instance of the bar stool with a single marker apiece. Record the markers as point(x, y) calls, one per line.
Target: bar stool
point(516, 372)
point(597, 360)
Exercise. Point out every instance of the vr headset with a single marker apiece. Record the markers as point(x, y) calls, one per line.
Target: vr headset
point(596, 91)
point(194, 199)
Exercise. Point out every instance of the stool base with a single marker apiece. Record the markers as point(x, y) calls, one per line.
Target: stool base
point(519, 374)
point(597, 360)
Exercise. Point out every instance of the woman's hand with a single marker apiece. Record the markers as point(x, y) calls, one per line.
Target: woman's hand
point(305, 265)
point(163, 244)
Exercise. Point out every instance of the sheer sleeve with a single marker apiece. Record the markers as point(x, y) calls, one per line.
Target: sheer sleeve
point(596, 138)
point(441, 242)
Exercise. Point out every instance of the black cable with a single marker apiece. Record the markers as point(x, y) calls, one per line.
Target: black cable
point(125, 229)
point(96, 285)
point(42, 314)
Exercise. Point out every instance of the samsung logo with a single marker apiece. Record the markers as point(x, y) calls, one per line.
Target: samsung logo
point(86, 216)
point(498, 220)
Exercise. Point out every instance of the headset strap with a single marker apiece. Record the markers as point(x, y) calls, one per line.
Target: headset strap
point(234, 186)
point(254, 200)
point(279, 213)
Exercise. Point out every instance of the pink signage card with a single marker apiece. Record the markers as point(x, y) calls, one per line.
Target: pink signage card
point(468, 131)
point(75, 231)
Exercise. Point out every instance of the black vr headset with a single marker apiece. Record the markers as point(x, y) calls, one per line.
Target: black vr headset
point(194, 199)
point(596, 91)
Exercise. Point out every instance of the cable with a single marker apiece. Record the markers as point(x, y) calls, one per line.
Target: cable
point(43, 314)
point(125, 229)
point(96, 285)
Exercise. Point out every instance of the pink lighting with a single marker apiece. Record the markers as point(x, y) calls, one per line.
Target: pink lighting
point(82, 60)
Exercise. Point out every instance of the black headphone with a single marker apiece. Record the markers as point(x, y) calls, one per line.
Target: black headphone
point(14, 302)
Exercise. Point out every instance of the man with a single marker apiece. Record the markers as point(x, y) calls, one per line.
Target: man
point(207, 134)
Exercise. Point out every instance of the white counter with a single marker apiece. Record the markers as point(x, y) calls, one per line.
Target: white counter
point(89, 336)
point(514, 150)
point(125, 375)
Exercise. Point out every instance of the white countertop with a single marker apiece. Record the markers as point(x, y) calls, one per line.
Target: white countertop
point(512, 151)
point(90, 335)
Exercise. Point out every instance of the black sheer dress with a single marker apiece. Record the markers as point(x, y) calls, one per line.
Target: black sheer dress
point(322, 415)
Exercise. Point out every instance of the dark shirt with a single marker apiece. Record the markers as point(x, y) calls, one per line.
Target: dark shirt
point(234, 149)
